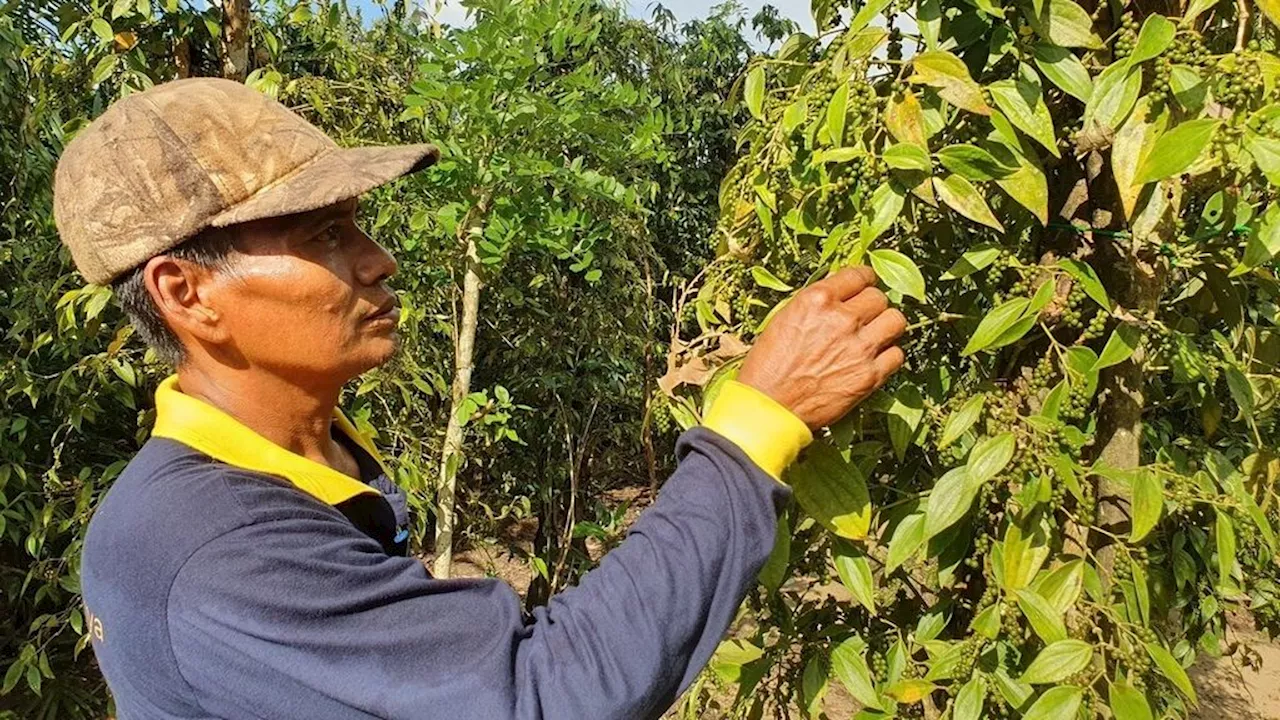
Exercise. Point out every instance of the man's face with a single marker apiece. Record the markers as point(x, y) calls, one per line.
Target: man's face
point(305, 295)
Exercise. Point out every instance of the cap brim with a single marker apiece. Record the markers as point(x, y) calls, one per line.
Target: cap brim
point(331, 178)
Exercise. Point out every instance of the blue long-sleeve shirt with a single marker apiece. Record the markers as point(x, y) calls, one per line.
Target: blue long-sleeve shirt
point(220, 584)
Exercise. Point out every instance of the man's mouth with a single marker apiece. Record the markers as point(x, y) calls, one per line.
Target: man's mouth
point(389, 312)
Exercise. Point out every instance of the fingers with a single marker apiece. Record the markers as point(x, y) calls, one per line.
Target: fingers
point(887, 327)
point(889, 362)
point(846, 283)
point(867, 305)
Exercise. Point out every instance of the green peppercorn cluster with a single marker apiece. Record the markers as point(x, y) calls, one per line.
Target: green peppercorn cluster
point(1127, 36)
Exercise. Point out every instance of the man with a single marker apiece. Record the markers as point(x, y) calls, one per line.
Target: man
point(251, 560)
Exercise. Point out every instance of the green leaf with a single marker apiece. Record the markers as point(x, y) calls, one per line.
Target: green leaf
point(855, 574)
point(794, 116)
point(813, 684)
point(907, 156)
point(1241, 390)
point(837, 111)
point(1063, 22)
point(1198, 8)
point(1224, 534)
point(1062, 587)
point(908, 536)
point(1088, 279)
point(1264, 242)
point(1044, 618)
point(949, 500)
point(972, 162)
point(121, 7)
point(959, 422)
point(973, 260)
point(886, 204)
point(102, 29)
point(1128, 703)
point(1060, 703)
point(1065, 70)
point(989, 457)
point(969, 700)
point(960, 195)
point(766, 279)
point(1120, 346)
point(832, 491)
point(754, 92)
point(948, 73)
point(866, 14)
point(996, 323)
point(852, 671)
point(898, 272)
point(1156, 37)
point(1172, 670)
point(1114, 94)
point(1058, 661)
point(1266, 155)
point(1148, 502)
point(1175, 150)
point(987, 622)
point(1023, 104)
point(104, 68)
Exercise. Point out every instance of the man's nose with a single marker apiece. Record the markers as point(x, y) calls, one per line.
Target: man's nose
point(375, 263)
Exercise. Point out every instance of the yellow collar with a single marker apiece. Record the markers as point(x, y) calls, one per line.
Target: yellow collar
point(201, 426)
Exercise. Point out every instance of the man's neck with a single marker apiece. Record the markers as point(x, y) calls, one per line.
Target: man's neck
point(294, 417)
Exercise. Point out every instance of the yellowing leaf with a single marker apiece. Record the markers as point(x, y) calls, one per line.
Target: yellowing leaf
point(904, 118)
point(1025, 549)
point(1130, 148)
point(946, 72)
point(910, 691)
point(753, 92)
point(960, 195)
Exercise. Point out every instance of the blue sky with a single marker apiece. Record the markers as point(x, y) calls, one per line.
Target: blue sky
point(452, 13)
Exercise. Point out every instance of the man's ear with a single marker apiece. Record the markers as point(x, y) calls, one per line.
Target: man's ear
point(181, 291)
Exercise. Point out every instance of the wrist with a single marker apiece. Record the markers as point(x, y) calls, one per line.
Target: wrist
point(770, 434)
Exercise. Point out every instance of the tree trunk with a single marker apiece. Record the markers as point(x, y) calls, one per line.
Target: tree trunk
point(464, 351)
point(235, 39)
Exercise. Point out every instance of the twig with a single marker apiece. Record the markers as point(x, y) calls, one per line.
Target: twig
point(1242, 27)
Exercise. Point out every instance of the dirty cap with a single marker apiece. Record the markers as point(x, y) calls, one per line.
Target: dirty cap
point(161, 165)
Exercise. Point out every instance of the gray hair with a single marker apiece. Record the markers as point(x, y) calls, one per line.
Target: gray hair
point(211, 248)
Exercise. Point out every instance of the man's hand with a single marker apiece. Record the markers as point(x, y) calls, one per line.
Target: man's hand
point(828, 349)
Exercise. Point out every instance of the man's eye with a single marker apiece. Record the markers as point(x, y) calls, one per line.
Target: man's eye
point(331, 234)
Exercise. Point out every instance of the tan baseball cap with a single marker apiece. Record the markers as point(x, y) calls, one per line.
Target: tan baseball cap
point(161, 165)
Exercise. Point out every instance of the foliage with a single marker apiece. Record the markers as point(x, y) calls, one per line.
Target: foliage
point(1051, 511)
point(601, 140)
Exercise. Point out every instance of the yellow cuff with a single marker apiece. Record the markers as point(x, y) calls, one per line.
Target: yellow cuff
point(771, 435)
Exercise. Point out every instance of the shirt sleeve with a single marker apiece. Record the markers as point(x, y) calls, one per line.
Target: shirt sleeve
point(302, 616)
